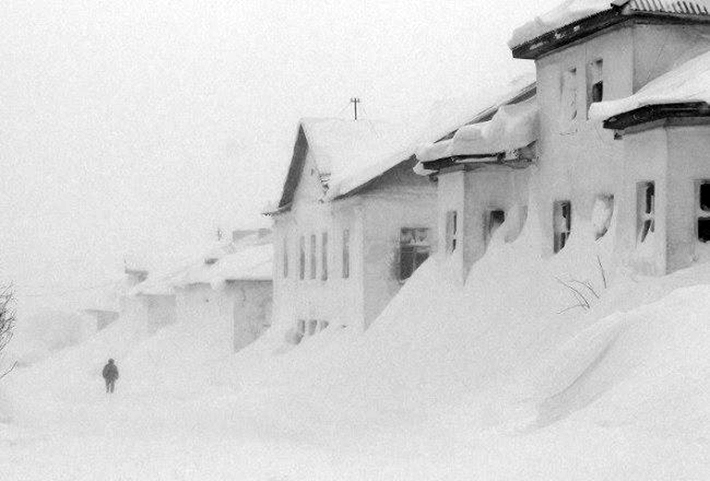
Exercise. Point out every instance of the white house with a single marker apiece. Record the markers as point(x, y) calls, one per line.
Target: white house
point(621, 123)
point(482, 173)
point(352, 224)
point(229, 291)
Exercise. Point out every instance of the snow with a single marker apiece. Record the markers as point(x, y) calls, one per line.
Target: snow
point(494, 379)
point(566, 13)
point(687, 83)
point(251, 263)
point(512, 127)
point(348, 153)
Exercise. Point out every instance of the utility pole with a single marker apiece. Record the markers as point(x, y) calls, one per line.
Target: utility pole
point(355, 101)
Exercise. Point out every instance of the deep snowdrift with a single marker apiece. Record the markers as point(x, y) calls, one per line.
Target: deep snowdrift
point(501, 378)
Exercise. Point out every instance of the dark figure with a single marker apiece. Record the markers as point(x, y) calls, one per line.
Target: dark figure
point(110, 374)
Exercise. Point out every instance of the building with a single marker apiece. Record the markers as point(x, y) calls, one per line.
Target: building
point(352, 224)
point(229, 291)
point(621, 135)
point(482, 172)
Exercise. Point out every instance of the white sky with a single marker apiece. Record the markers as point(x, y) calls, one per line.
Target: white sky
point(139, 126)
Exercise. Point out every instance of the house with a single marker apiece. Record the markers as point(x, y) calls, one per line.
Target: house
point(352, 224)
point(647, 161)
point(229, 291)
point(107, 303)
point(482, 173)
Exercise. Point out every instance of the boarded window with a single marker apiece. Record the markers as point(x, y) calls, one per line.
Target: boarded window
point(313, 256)
point(413, 250)
point(595, 82)
point(646, 206)
point(562, 223)
point(312, 326)
point(569, 95)
point(285, 257)
point(346, 254)
point(494, 220)
point(704, 211)
point(302, 258)
point(324, 256)
point(452, 231)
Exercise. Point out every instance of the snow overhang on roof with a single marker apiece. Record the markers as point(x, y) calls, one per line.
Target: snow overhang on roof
point(513, 128)
point(575, 19)
point(681, 92)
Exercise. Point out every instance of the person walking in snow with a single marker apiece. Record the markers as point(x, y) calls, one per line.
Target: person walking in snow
point(110, 374)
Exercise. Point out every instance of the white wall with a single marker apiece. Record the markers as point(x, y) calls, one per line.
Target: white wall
point(372, 217)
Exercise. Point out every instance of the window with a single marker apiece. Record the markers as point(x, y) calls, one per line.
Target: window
point(312, 326)
point(451, 231)
point(323, 325)
point(646, 205)
point(562, 223)
point(302, 258)
point(285, 257)
point(324, 256)
point(413, 250)
point(704, 211)
point(346, 254)
point(301, 327)
point(313, 256)
point(595, 82)
point(569, 95)
point(494, 220)
point(602, 213)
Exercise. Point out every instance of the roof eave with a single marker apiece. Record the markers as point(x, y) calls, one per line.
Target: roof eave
point(539, 46)
point(651, 113)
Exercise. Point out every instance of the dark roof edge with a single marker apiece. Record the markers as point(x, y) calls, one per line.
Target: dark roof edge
point(539, 46)
point(650, 113)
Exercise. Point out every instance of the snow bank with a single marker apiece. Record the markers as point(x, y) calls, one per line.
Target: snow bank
point(690, 82)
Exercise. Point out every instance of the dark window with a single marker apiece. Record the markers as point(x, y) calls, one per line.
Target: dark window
point(704, 195)
point(302, 258)
point(595, 82)
point(451, 231)
point(704, 211)
point(562, 223)
point(414, 250)
point(494, 221)
point(646, 200)
point(324, 256)
point(346, 254)
point(313, 256)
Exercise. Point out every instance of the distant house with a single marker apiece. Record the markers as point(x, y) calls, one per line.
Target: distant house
point(352, 224)
point(482, 172)
point(229, 291)
point(622, 90)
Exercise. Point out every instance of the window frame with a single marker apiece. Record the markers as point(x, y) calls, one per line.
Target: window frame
point(284, 257)
point(595, 77)
point(645, 213)
point(560, 237)
point(302, 258)
point(324, 256)
point(412, 250)
point(452, 231)
point(346, 254)
point(702, 215)
point(569, 95)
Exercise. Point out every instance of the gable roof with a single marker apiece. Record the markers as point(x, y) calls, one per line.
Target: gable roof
point(346, 153)
point(685, 90)
point(574, 19)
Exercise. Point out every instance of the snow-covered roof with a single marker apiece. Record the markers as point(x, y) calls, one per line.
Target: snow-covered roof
point(512, 127)
point(347, 153)
point(571, 11)
point(688, 83)
point(253, 263)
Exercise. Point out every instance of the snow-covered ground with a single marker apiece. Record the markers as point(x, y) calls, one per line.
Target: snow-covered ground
point(497, 379)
